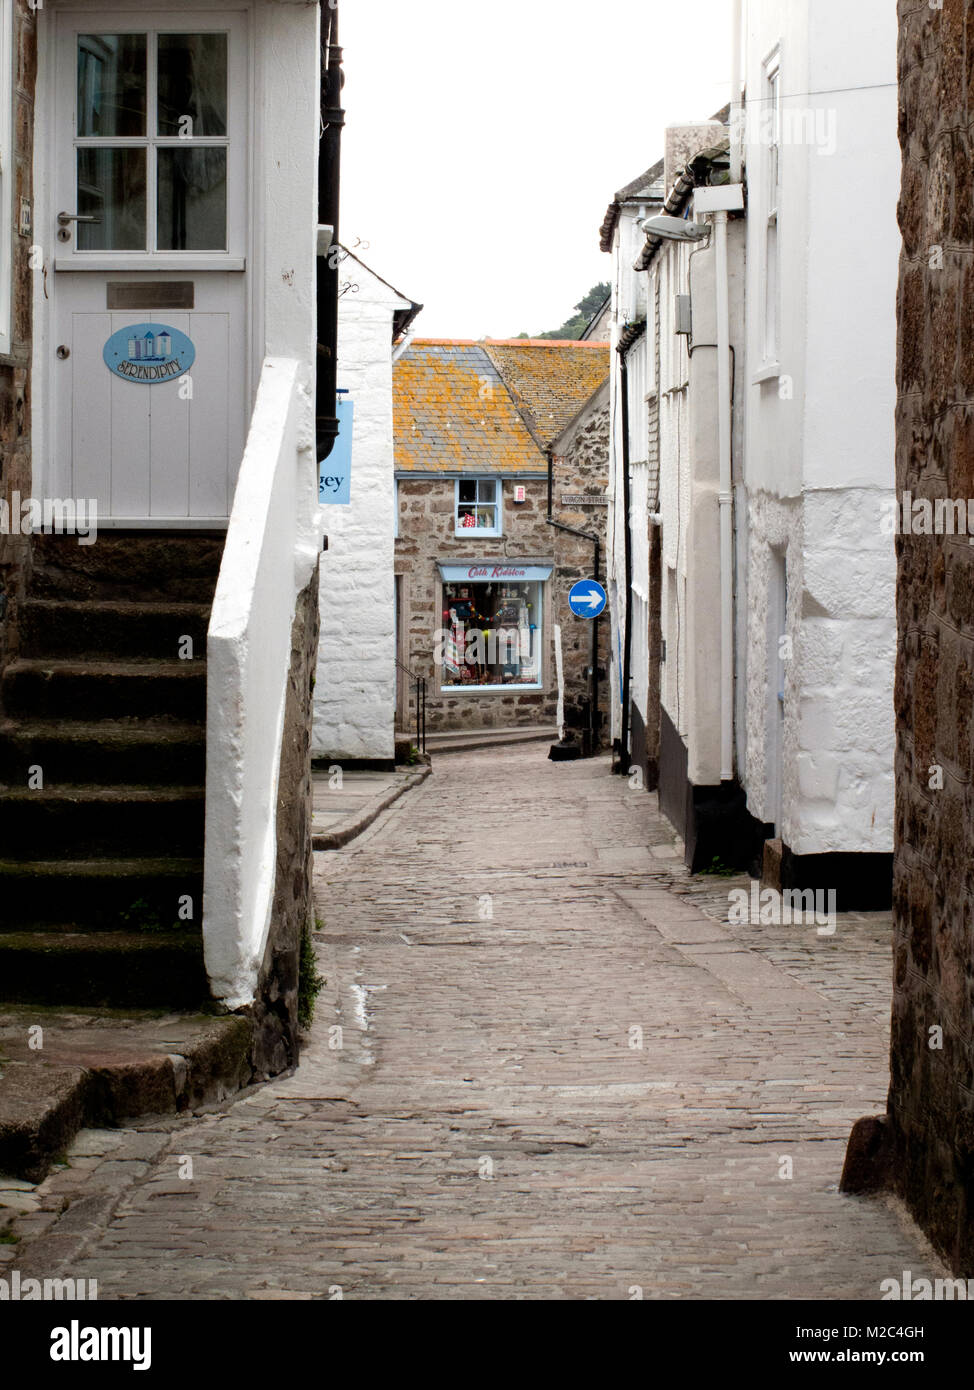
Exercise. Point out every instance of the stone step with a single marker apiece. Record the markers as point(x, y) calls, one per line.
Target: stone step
point(102, 1068)
point(464, 740)
point(119, 969)
point(58, 627)
point(143, 566)
point(89, 690)
point(149, 753)
point(81, 822)
point(99, 894)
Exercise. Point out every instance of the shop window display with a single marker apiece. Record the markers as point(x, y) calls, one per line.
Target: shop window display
point(491, 635)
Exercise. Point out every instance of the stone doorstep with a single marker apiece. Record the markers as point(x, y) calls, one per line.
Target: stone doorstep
point(467, 740)
point(97, 1069)
point(363, 816)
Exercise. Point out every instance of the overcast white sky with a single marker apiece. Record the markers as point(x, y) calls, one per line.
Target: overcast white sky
point(485, 140)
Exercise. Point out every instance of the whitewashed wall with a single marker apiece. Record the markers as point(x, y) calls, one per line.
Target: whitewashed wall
point(354, 696)
point(819, 450)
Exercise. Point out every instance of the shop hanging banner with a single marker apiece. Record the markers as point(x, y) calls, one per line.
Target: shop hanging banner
point(335, 477)
point(149, 353)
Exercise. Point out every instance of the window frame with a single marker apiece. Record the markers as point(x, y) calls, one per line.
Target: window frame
point(238, 140)
point(540, 587)
point(493, 531)
point(771, 248)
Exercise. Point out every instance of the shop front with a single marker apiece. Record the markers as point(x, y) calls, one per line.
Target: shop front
point(492, 627)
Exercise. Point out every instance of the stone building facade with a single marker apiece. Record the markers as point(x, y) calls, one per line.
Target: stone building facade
point(475, 424)
point(925, 1144)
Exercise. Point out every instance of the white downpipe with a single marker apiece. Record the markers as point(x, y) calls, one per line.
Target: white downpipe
point(560, 672)
point(736, 113)
point(400, 348)
point(726, 498)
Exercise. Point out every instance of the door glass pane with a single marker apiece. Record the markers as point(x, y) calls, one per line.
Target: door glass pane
point(192, 84)
point(192, 199)
point(111, 187)
point(111, 84)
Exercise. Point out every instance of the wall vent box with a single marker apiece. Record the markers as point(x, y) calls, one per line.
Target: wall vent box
point(519, 493)
point(683, 320)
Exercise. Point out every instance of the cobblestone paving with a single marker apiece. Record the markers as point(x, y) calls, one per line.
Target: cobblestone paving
point(490, 1126)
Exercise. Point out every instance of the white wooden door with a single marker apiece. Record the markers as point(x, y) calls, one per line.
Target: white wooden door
point(149, 352)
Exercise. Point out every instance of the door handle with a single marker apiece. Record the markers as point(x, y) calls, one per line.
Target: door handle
point(64, 218)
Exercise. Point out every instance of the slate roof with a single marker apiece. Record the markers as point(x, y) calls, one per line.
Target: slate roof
point(469, 407)
point(550, 381)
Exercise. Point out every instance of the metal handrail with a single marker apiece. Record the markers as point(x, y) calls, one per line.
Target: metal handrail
point(419, 684)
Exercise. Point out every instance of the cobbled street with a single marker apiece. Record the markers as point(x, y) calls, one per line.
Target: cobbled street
point(558, 1074)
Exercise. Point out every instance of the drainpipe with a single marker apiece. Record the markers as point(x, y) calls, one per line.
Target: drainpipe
point(736, 108)
point(326, 282)
point(624, 751)
point(401, 347)
point(593, 703)
point(726, 498)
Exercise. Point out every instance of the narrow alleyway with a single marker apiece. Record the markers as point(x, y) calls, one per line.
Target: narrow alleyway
point(489, 1126)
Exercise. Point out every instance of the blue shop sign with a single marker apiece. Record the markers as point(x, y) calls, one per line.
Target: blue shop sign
point(149, 353)
point(335, 476)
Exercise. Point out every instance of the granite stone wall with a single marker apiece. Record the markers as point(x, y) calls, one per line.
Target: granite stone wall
point(931, 1099)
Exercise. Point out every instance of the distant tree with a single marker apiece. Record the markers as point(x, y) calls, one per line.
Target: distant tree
point(585, 310)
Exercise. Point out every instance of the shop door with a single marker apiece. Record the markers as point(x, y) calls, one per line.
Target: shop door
point(150, 330)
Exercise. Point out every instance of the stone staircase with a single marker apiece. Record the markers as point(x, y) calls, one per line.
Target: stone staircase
point(102, 772)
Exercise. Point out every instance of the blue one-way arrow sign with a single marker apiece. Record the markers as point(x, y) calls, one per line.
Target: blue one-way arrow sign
point(587, 598)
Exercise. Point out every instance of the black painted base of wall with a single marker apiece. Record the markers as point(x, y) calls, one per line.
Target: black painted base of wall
point(713, 821)
point(862, 882)
point(639, 750)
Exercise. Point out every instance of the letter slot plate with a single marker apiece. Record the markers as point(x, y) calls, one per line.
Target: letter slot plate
point(151, 294)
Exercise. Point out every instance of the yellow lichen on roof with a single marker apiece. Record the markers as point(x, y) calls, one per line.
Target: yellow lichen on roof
point(452, 413)
point(471, 407)
point(552, 380)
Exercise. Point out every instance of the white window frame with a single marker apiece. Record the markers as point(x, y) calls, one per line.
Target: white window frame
point(497, 504)
point(771, 250)
point(154, 23)
point(7, 171)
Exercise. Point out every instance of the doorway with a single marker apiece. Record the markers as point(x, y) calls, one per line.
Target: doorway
point(147, 333)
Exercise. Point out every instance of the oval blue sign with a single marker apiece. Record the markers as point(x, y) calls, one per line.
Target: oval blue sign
point(149, 353)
